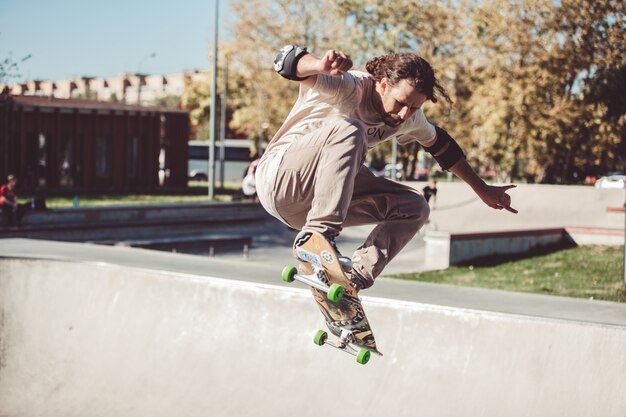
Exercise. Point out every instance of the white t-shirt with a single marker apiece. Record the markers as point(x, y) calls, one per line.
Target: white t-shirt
point(335, 97)
point(348, 96)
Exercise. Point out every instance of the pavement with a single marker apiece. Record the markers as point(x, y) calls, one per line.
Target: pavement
point(114, 331)
point(459, 210)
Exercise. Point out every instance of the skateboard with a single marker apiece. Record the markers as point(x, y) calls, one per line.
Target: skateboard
point(338, 301)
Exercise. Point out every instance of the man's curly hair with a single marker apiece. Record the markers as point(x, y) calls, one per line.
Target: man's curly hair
point(398, 66)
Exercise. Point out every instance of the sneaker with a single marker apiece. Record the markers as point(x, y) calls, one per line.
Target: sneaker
point(353, 282)
point(344, 261)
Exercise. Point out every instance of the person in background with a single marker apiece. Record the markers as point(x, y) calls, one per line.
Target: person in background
point(12, 210)
point(248, 185)
point(430, 191)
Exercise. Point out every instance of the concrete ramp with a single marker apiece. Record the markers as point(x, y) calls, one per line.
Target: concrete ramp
point(89, 339)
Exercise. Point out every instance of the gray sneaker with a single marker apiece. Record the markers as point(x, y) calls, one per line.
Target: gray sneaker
point(344, 261)
point(354, 283)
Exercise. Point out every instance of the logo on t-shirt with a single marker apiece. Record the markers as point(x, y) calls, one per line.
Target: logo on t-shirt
point(376, 132)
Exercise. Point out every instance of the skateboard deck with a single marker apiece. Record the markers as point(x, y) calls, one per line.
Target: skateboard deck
point(320, 268)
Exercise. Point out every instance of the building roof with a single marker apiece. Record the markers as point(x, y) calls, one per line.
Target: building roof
point(72, 103)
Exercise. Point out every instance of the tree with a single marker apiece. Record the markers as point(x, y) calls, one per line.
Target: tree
point(429, 28)
point(533, 61)
point(259, 97)
point(197, 99)
point(169, 101)
point(10, 69)
point(537, 84)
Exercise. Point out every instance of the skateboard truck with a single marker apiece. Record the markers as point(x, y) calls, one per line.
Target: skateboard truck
point(343, 343)
point(334, 292)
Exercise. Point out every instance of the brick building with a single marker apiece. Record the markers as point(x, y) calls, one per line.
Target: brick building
point(129, 88)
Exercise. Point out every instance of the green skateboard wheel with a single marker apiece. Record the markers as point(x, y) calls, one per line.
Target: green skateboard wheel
point(335, 293)
point(363, 356)
point(320, 337)
point(288, 273)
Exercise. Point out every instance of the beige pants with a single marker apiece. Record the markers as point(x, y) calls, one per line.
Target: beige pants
point(323, 185)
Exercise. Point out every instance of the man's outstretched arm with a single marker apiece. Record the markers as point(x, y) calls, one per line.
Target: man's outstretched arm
point(450, 157)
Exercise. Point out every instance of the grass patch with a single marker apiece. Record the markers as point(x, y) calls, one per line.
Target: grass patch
point(196, 192)
point(594, 272)
point(128, 200)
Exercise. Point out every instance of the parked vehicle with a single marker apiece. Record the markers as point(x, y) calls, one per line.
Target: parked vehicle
point(237, 157)
point(611, 181)
point(389, 171)
point(420, 174)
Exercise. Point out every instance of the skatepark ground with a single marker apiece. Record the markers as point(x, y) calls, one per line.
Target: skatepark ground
point(114, 331)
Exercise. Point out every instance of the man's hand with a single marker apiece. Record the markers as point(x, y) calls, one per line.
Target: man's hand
point(335, 63)
point(492, 195)
point(332, 63)
point(496, 197)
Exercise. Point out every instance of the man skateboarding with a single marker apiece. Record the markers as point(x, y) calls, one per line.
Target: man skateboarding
point(312, 177)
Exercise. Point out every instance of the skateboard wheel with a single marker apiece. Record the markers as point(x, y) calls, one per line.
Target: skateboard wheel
point(288, 273)
point(335, 293)
point(320, 337)
point(364, 356)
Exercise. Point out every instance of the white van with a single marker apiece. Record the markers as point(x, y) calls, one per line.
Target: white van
point(237, 155)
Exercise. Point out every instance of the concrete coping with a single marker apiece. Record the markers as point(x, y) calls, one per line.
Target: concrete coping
point(88, 217)
point(437, 295)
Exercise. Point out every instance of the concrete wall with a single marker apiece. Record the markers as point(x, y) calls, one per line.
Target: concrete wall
point(459, 210)
point(444, 249)
point(105, 340)
point(140, 222)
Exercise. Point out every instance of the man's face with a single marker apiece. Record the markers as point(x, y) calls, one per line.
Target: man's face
point(399, 102)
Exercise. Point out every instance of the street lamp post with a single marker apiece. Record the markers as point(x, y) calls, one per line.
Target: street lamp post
point(211, 172)
point(223, 120)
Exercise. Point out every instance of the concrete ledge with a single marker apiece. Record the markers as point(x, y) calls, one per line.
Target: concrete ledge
point(136, 222)
point(593, 236)
point(109, 216)
point(616, 209)
point(444, 249)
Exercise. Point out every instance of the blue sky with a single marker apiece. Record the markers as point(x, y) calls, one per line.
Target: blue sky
point(70, 38)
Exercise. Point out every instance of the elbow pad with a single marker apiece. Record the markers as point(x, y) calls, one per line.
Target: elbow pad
point(286, 62)
point(451, 155)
